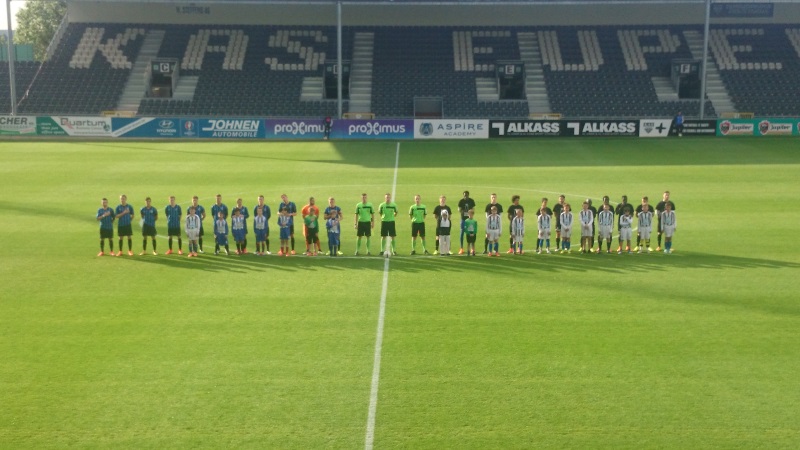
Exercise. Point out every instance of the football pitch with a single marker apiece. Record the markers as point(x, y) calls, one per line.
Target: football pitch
point(695, 349)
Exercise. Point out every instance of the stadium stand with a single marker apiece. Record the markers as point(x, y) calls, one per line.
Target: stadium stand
point(276, 71)
point(24, 71)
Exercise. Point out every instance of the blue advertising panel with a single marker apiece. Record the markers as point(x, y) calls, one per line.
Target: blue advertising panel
point(294, 129)
point(189, 128)
point(373, 129)
point(146, 127)
point(231, 128)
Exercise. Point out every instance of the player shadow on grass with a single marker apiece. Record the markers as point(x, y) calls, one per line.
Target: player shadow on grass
point(529, 264)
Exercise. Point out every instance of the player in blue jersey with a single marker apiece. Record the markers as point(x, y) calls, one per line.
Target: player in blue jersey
point(221, 233)
point(244, 212)
point(174, 213)
point(291, 211)
point(201, 213)
point(267, 215)
point(124, 215)
point(219, 207)
point(333, 211)
point(105, 216)
point(149, 216)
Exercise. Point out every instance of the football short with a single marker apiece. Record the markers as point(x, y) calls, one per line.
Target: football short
point(124, 230)
point(471, 238)
point(221, 239)
point(311, 235)
point(544, 233)
point(669, 231)
point(417, 229)
point(605, 231)
point(106, 233)
point(645, 232)
point(364, 229)
point(239, 235)
point(148, 230)
point(587, 230)
point(174, 231)
point(202, 233)
point(388, 229)
point(261, 235)
point(333, 239)
point(518, 238)
point(286, 233)
point(566, 232)
point(625, 234)
point(192, 235)
point(492, 235)
point(443, 231)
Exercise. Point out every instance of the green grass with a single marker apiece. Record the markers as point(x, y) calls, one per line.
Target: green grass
point(698, 349)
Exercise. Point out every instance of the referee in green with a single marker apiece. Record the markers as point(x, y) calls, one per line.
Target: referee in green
point(417, 212)
point(388, 211)
point(365, 222)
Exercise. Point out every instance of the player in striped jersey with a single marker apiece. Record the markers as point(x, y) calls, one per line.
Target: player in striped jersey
point(261, 230)
point(640, 208)
point(512, 212)
point(334, 232)
point(285, 225)
point(488, 210)
point(291, 211)
point(244, 212)
point(619, 211)
point(645, 225)
point(239, 230)
point(625, 230)
point(173, 213)
point(388, 212)
point(124, 215)
point(543, 209)
point(494, 226)
point(566, 228)
point(105, 216)
point(332, 211)
point(265, 211)
point(149, 216)
point(669, 224)
point(192, 229)
point(417, 212)
point(518, 232)
point(660, 208)
point(586, 218)
point(443, 231)
point(220, 233)
point(605, 220)
point(201, 213)
point(438, 212)
point(543, 225)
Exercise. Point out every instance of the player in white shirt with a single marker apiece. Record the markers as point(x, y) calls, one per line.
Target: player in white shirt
point(645, 224)
point(494, 225)
point(586, 217)
point(669, 224)
point(260, 228)
point(625, 230)
point(543, 225)
point(605, 220)
point(445, 224)
point(566, 220)
point(192, 229)
point(517, 232)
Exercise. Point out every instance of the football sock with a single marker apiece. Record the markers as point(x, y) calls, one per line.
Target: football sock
point(170, 242)
point(548, 243)
point(200, 241)
point(144, 244)
point(180, 244)
point(423, 245)
point(244, 244)
point(358, 244)
point(368, 243)
point(120, 245)
point(394, 243)
point(103, 246)
point(668, 245)
point(520, 247)
point(437, 245)
point(267, 243)
point(154, 244)
point(485, 245)
point(659, 239)
point(216, 247)
point(496, 247)
point(292, 242)
point(414, 244)
point(558, 242)
point(226, 248)
point(130, 244)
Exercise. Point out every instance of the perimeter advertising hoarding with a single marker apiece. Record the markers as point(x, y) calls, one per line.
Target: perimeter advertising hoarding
point(373, 129)
point(601, 128)
point(73, 126)
point(230, 128)
point(696, 128)
point(294, 129)
point(451, 129)
point(146, 127)
point(525, 128)
point(17, 125)
point(758, 127)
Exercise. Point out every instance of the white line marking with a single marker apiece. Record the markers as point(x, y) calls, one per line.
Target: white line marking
point(376, 365)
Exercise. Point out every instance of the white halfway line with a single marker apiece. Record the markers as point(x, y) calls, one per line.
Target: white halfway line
point(376, 365)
